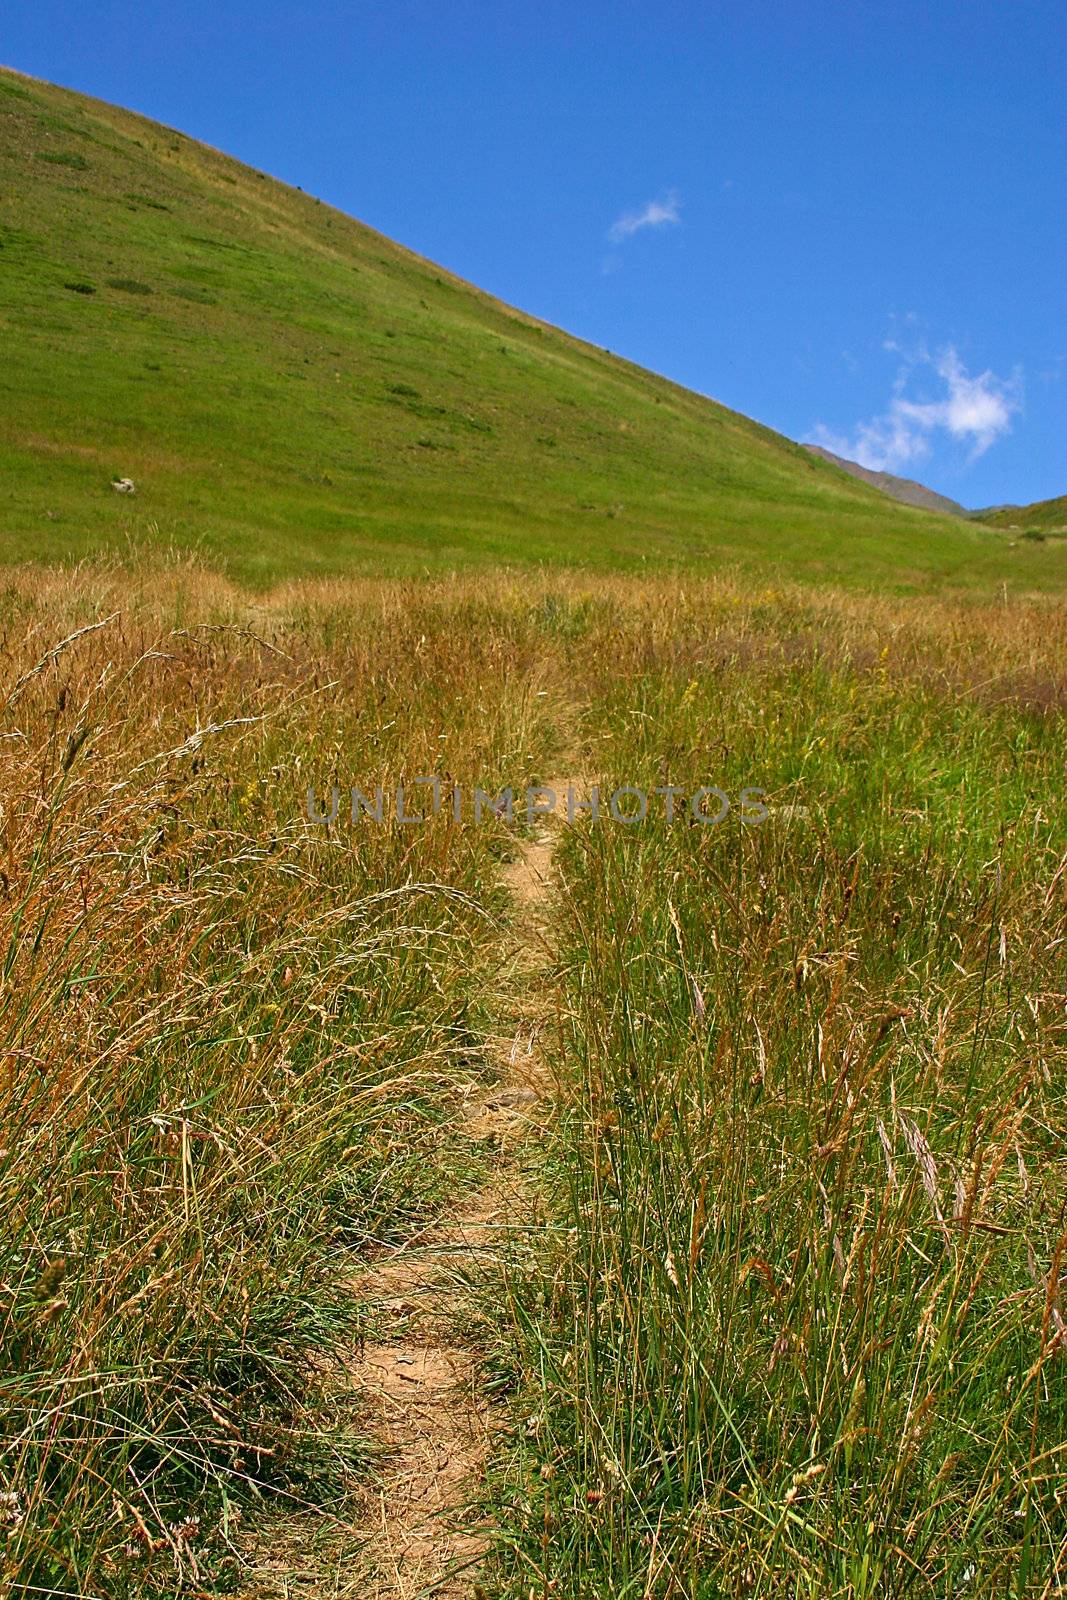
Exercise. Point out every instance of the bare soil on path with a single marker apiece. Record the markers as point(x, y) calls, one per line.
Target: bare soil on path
point(431, 1416)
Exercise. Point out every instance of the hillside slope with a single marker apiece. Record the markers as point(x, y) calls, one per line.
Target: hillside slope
point(1042, 516)
point(293, 393)
point(906, 490)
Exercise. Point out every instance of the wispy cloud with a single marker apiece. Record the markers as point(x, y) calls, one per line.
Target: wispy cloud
point(656, 214)
point(973, 411)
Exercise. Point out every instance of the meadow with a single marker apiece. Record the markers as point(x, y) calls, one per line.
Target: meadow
point(787, 1314)
point(798, 1328)
point(755, 1286)
point(229, 1040)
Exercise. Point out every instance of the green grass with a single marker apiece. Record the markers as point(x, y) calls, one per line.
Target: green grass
point(1042, 517)
point(798, 1329)
point(294, 394)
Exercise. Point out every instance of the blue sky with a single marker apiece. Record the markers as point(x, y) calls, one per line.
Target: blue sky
point(847, 220)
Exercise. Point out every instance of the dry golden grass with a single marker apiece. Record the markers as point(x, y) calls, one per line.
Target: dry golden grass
point(227, 1037)
point(230, 1042)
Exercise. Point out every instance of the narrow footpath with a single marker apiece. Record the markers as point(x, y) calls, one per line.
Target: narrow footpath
point(432, 1420)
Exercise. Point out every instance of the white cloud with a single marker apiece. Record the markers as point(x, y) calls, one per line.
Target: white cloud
point(972, 411)
point(656, 214)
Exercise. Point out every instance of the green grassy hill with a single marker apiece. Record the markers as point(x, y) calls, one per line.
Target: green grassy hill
point(292, 393)
point(1043, 516)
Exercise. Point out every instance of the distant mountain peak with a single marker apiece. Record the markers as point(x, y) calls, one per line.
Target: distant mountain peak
point(905, 489)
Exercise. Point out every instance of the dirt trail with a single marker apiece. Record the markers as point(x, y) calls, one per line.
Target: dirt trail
point(423, 1383)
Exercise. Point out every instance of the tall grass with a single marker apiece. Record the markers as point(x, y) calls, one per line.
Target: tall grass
point(228, 1041)
point(796, 1326)
point(803, 1329)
